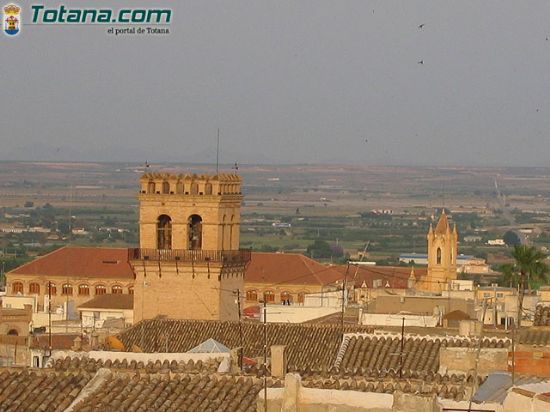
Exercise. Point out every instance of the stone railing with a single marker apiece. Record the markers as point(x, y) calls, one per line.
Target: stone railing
point(242, 256)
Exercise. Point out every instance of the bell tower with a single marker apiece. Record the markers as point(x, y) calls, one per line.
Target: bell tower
point(188, 265)
point(442, 252)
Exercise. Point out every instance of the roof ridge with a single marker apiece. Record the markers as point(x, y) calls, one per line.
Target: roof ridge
point(24, 265)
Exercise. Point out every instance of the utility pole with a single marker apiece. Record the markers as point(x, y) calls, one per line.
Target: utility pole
point(402, 345)
point(240, 328)
point(344, 300)
point(50, 318)
point(265, 354)
point(474, 383)
point(513, 353)
point(67, 307)
point(495, 305)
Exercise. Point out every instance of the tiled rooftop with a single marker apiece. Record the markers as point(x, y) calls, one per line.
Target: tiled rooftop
point(312, 346)
point(289, 268)
point(39, 390)
point(179, 392)
point(95, 262)
point(93, 365)
point(375, 353)
point(110, 301)
point(534, 337)
point(448, 387)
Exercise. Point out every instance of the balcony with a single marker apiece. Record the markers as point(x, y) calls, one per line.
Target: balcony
point(242, 256)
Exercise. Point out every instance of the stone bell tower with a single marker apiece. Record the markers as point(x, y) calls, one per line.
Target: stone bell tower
point(188, 265)
point(442, 252)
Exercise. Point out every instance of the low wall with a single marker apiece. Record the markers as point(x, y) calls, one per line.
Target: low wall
point(295, 313)
point(462, 360)
point(296, 398)
point(385, 319)
point(526, 401)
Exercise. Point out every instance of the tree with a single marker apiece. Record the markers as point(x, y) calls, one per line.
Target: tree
point(319, 249)
point(528, 267)
point(511, 238)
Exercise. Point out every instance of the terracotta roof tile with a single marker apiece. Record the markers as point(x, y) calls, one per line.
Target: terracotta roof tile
point(109, 301)
point(39, 390)
point(94, 262)
point(93, 365)
point(179, 392)
point(535, 337)
point(445, 386)
point(378, 353)
point(289, 268)
point(308, 345)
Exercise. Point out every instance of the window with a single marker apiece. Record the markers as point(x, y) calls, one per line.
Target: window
point(131, 290)
point(51, 288)
point(486, 294)
point(17, 287)
point(269, 296)
point(194, 188)
point(164, 232)
point(179, 187)
point(116, 290)
point(83, 290)
point(208, 189)
point(500, 295)
point(100, 290)
point(439, 256)
point(67, 289)
point(301, 296)
point(165, 187)
point(195, 232)
point(251, 296)
point(286, 297)
point(151, 187)
point(34, 288)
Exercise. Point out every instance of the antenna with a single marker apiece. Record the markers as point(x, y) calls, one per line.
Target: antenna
point(218, 153)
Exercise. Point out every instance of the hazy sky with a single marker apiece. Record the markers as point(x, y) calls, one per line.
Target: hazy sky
point(287, 81)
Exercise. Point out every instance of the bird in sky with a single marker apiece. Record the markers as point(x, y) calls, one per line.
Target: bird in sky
point(236, 166)
point(147, 164)
point(421, 26)
point(421, 62)
point(366, 140)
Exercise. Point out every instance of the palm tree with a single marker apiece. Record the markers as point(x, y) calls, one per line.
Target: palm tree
point(528, 267)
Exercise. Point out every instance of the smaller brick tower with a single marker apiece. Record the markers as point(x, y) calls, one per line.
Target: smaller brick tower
point(442, 252)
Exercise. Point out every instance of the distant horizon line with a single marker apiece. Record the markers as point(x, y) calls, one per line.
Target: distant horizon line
point(321, 163)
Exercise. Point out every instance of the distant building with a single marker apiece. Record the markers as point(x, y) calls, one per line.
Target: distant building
point(96, 311)
point(442, 254)
point(279, 277)
point(72, 276)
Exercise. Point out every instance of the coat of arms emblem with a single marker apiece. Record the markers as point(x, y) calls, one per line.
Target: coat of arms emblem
point(12, 19)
